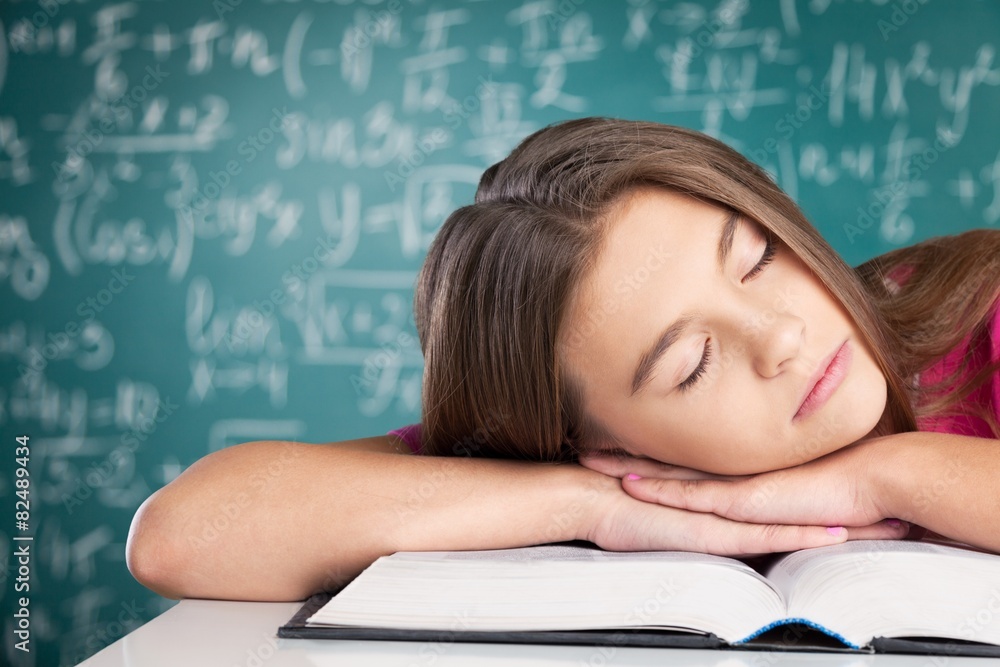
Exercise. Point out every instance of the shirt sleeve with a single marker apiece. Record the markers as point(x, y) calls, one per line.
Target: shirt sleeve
point(411, 435)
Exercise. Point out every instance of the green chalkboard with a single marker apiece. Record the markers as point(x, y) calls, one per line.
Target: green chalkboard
point(212, 213)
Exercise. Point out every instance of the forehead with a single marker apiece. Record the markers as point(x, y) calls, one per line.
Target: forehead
point(651, 243)
point(652, 228)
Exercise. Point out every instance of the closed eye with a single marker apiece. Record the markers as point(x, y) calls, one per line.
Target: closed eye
point(702, 367)
point(770, 248)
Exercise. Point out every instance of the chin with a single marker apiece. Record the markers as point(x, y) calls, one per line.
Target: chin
point(850, 421)
point(726, 470)
point(827, 436)
point(753, 467)
point(870, 409)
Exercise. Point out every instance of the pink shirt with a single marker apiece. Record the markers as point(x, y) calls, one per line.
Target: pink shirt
point(410, 435)
point(986, 350)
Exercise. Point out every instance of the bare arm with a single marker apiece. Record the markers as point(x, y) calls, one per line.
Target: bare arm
point(274, 520)
point(947, 483)
point(941, 482)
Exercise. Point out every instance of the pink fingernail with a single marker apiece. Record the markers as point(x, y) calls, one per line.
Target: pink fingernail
point(835, 530)
point(632, 475)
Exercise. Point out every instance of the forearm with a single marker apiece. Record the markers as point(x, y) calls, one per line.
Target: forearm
point(278, 521)
point(949, 484)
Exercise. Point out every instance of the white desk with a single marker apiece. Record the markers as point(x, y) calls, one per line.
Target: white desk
point(244, 634)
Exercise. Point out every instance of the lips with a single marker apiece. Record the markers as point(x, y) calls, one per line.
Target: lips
point(824, 381)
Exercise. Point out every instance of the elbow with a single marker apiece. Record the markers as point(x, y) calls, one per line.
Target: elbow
point(149, 552)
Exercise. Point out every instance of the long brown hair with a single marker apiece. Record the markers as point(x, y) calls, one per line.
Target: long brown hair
point(946, 290)
point(493, 291)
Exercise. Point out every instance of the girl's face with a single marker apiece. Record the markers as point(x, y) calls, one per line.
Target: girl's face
point(745, 340)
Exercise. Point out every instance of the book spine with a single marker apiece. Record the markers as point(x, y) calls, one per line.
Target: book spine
point(804, 621)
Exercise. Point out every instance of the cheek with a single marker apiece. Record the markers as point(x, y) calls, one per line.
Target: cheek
point(867, 400)
point(699, 438)
point(741, 438)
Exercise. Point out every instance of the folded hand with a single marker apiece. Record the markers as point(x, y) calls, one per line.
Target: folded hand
point(834, 490)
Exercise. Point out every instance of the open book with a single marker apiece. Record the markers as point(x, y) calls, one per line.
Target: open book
point(855, 592)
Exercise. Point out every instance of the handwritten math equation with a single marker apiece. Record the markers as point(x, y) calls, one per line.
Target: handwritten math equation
point(212, 214)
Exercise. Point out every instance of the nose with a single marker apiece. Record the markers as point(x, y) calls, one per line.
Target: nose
point(775, 341)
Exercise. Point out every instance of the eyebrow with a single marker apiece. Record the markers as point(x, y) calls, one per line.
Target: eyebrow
point(649, 358)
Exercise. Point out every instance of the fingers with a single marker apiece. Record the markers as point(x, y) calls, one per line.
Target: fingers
point(889, 529)
point(761, 500)
point(732, 538)
point(635, 525)
point(749, 520)
point(672, 529)
point(619, 466)
point(778, 537)
point(698, 495)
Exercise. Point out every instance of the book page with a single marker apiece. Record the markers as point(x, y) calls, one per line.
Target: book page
point(866, 552)
point(556, 587)
point(552, 552)
point(893, 588)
